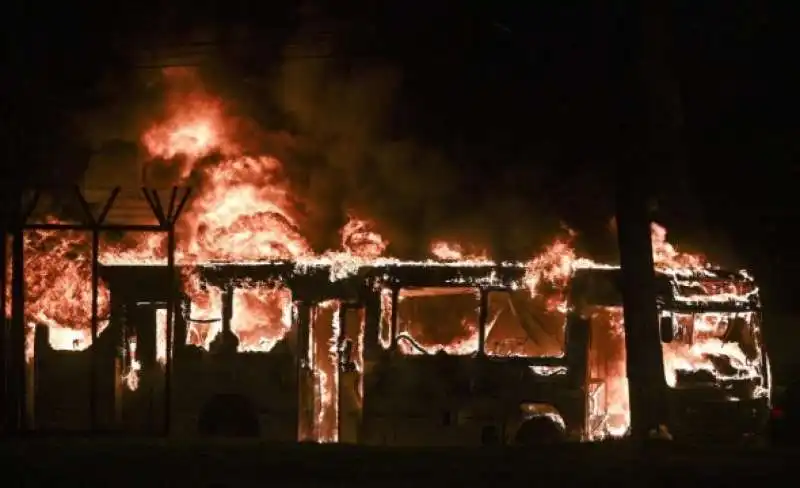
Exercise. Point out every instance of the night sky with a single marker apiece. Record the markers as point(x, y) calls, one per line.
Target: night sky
point(493, 123)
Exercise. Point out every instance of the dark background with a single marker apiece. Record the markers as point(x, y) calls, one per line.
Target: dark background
point(493, 122)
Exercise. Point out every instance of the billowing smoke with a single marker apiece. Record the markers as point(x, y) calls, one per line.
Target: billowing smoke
point(331, 126)
point(334, 131)
point(348, 145)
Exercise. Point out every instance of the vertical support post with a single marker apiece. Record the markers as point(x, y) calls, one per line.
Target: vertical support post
point(93, 355)
point(17, 378)
point(395, 301)
point(117, 327)
point(578, 336)
point(170, 322)
point(483, 311)
point(304, 362)
point(167, 221)
point(313, 371)
point(95, 225)
point(343, 354)
point(227, 309)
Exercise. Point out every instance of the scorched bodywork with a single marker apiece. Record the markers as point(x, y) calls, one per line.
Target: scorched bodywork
point(408, 354)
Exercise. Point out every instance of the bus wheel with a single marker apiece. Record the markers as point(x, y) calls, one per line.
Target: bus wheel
point(539, 430)
point(229, 416)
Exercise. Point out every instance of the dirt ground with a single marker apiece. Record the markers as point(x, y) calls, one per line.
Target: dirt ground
point(150, 463)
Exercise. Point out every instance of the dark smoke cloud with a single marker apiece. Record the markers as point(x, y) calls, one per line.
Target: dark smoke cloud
point(333, 125)
point(347, 159)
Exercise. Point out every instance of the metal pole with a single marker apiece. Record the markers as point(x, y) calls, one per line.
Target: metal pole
point(482, 317)
point(393, 327)
point(227, 310)
point(95, 225)
point(303, 364)
point(342, 356)
point(17, 385)
point(170, 316)
point(169, 220)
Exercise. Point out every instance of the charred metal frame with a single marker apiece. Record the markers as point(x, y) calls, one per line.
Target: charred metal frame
point(394, 311)
point(96, 225)
point(483, 312)
point(483, 304)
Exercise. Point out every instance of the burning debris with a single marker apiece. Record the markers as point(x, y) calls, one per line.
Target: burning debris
point(243, 216)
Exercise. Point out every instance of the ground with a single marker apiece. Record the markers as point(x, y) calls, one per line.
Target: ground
point(114, 462)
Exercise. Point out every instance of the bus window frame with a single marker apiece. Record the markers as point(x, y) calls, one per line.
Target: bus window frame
point(395, 299)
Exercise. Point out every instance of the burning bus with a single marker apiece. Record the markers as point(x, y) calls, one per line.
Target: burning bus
point(417, 353)
point(513, 330)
